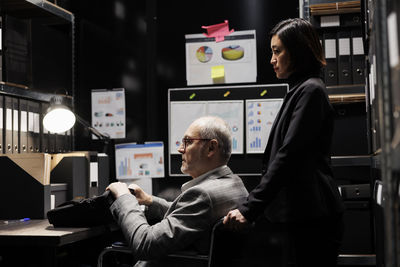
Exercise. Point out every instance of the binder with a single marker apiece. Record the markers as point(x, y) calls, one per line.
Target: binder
point(350, 19)
point(358, 58)
point(45, 133)
point(1, 124)
point(52, 142)
point(68, 140)
point(15, 125)
point(345, 72)
point(60, 142)
point(23, 104)
point(33, 126)
point(331, 70)
point(8, 124)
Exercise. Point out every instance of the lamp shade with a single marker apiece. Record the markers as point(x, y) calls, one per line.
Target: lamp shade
point(59, 118)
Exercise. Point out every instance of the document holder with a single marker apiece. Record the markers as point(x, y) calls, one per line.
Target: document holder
point(21, 195)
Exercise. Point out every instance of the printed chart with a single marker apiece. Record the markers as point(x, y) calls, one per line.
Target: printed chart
point(260, 116)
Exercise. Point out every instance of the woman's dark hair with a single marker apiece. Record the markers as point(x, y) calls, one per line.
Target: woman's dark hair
point(301, 41)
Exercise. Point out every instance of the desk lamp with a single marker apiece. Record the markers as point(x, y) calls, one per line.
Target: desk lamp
point(59, 118)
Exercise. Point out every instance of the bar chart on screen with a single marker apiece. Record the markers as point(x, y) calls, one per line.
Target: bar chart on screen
point(135, 161)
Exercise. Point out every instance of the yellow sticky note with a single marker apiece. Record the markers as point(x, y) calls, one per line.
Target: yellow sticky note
point(218, 73)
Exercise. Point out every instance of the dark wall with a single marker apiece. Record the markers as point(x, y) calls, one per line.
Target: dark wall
point(140, 45)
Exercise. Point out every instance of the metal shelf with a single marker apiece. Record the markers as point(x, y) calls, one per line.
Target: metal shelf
point(362, 160)
point(357, 260)
point(35, 8)
point(346, 93)
point(24, 92)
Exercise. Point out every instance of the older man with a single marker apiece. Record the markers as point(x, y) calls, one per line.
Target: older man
point(187, 221)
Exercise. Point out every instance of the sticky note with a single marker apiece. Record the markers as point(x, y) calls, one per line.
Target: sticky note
point(219, 31)
point(217, 72)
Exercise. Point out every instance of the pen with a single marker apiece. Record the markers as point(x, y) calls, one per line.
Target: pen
point(14, 221)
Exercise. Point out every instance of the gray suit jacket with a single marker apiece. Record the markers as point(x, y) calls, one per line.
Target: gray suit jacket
point(186, 222)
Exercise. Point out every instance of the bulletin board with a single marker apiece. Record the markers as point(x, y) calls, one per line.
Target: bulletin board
point(249, 110)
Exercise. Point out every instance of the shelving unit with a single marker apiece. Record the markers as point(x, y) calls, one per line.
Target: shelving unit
point(342, 22)
point(38, 62)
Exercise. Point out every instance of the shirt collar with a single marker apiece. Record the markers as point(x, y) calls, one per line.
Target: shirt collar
point(201, 178)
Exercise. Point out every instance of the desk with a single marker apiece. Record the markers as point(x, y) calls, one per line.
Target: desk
point(17, 238)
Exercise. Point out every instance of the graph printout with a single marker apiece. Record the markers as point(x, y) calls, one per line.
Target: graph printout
point(184, 113)
point(108, 112)
point(260, 115)
point(232, 113)
point(134, 161)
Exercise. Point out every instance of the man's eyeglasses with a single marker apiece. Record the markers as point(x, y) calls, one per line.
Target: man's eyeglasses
point(188, 141)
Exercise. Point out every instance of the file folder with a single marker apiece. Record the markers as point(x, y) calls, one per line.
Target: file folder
point(2, 124)
point(15, 125)
point(45, 133)
point(345, 72)
point(61, 142)
point(358, 57)
point(33, 126)
point(23, 104)
point(350, 19)
point(52, 142)
point(68, 141)
point(8, 125)
point(331, 70)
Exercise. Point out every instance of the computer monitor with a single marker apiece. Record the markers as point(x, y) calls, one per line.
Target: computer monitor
point(135, 161)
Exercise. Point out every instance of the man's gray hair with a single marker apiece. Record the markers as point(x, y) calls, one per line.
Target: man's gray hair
point(212, 127)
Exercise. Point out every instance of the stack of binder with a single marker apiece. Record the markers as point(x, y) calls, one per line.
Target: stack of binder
point(339, 25)
point(21, 129)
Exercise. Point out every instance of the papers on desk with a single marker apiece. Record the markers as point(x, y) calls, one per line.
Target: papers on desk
point(35, 164)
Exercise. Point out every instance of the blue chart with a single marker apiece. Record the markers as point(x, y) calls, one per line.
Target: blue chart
point(255, 129)
point(260, 115)
point(256, 143)
point(234, 143)
point(124, 167)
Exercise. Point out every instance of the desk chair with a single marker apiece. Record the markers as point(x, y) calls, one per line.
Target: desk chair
point(182, 258)
point(227, 248)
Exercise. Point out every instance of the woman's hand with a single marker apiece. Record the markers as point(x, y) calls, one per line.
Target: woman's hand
point(142, 197)
point(234, 220)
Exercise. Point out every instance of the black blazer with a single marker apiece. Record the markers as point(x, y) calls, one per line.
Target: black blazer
point(296, 183)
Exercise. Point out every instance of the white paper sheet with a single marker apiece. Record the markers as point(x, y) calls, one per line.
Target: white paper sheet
point(232, 113)
point(108, 112)
point(241, 70)
point(182, 115)
point(260, 115)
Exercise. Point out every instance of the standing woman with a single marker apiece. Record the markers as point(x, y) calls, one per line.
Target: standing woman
point(296, 188)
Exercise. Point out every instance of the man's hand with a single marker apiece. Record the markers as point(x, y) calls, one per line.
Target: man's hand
point(142, 197)
point(118, 189)
point(234, 220)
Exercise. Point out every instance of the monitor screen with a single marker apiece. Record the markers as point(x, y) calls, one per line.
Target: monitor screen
point(134, 161)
